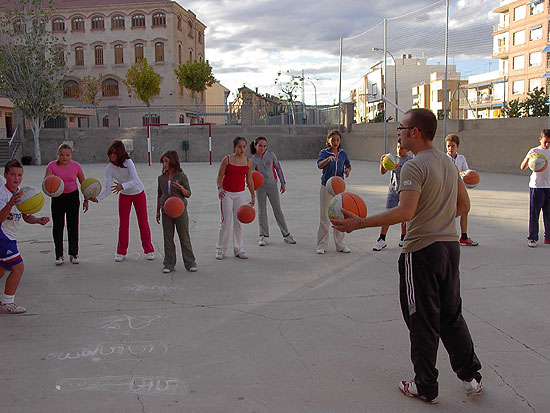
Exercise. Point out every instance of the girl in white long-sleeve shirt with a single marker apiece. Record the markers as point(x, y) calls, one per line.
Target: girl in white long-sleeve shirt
point(122, 179)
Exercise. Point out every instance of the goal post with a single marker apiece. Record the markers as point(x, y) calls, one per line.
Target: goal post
point(149, 148)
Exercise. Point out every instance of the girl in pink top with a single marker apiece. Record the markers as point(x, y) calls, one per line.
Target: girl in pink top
point(234, 171)
point(67, 204)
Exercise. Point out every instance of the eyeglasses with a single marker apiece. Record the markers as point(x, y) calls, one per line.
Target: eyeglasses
point(407, 127)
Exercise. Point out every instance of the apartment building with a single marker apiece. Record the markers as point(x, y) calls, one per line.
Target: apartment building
point(430, 95)
point(106, 37)
point(520, 43)
point(263, 106)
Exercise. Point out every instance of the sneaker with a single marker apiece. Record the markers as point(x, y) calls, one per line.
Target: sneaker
point(289, 239)
point(119, 257)
point(379, 245)
point(345, 250)
point(468, 242)
point(401, 243)
point(262, 242)
point(150, 256)
point(531, 243)
point(166, 270)
point(59, 261)
point(242, 255)
point(74, 259)
point(547, 241)
point(472, 386)
point(12, 308)
point(192, 269)
point(408, 388)
point(320, 250)
point(219, 254)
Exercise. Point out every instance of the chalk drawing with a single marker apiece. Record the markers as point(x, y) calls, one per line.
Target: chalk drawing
point(113, 351)
point(118, 322)
point(141, 288)
point(146, 385)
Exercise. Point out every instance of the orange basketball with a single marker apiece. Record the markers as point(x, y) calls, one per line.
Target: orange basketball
point(174, 207)
point(336, 185)
point(349, 201)
point(470, 178)
point(258, 179)
point(53, 186)
point(246, 214)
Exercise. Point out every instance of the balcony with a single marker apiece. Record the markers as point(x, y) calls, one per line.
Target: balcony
point(500, 28)
point(499, 51)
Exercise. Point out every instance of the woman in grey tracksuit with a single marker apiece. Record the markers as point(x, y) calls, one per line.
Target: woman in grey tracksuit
point(266, 162)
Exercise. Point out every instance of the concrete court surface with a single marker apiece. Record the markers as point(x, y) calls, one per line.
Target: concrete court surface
point(284, 331)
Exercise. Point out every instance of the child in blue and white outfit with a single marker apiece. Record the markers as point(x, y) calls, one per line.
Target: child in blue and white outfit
point(333, 161)
point(392, 199)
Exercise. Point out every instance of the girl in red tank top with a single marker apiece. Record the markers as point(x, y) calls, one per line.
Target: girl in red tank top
point(234, 171)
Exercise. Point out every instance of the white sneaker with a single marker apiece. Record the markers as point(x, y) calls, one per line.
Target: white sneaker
point(12, 308)
point(241, 255)
point(320, 250)
point(345, 250)
point(262, 242)
point(379, 245)
point(219, 254)
point(166, 270)
point(408, 388)
point(192, 269)
point(150, 256)
point(472, 386)
point(289, 239)
point(59, 261)
point(531, 243)
point(401, 243)
point(74, 259)
point(119, 257)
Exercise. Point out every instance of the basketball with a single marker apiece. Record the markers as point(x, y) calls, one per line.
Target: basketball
point(390, 161)
point(90, 188)
point(246, 214)
point(174, 207)
point(53, 186)
point(470, 178)
point(538, 162)
point(32, 200)
point(258, 179)
point(335, 185)
point(349, 201)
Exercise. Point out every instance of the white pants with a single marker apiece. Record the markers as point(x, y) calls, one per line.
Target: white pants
point(324, 224)
point(230, 203)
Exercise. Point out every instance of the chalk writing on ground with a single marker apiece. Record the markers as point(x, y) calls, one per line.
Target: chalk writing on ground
point(143, 288)
point(119, 322)
point(146, 385)
point(113, 351)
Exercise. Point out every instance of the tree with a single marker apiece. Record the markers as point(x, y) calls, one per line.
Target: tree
point(195, 76)
point(32, 71)
point(535, 103)
point(90, 89)
point(288, 89)
point(379, 118)
point(143, 82)
point(513, 109)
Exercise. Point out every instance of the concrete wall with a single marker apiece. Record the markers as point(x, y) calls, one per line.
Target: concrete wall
point(90, 145)
point(489, 145)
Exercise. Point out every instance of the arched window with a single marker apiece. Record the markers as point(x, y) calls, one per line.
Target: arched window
point(98, 54)
point(119, 54)
point(106, 121)
point(77, 24)
point(71, 89)
point(110, 87)
point(159, 52)
point(117, 22)
point(179, 24)
point(154, 119)
point(58, 25)
point(98, 23)
point(182, 118)
point(190, 26)
point(138, 20)
point(179, 54)
point(159, 19)
point(138, 49)
point(200, 37)
point(190, 56)
point(79, 56)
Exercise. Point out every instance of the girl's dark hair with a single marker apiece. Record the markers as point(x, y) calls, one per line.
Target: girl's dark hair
point(255, 142)
point(12, 163)
point(173, 161)
point(118, 148)
point(64, 146)
point(237, 139)
point(332, 133)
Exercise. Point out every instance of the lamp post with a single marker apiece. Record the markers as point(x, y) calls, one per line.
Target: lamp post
point(303, 79)
point(377, 49)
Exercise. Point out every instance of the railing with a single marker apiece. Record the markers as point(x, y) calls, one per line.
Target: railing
point(499, 27)
point(13, 144)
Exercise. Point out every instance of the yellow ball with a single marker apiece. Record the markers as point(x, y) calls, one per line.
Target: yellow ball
point(390, 161)
point(32, 200)
point(90, 187)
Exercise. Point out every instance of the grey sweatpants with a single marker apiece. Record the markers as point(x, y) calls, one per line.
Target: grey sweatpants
point(270, 191)
point(324, 224)
point(181, 224)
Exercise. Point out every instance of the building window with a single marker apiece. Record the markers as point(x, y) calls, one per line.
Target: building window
point(190, 56)
point(71, 89)
point(154, 119)
point(138, 20)
point(536, 7)
point(159, 19)
point(60, 55)
point(119, 54)
point(179, 54)
point(179, 24)
point(110, 87)
point(200, 37)
point(535, 59)
point(518, 87)
point(520, 13)
point(518, 38)
point(535, 33)
point(18, 27)
point(117, 22)
point(98, 54)
point(182, 118)
point(518, 62)
point(77, 24)
point(190, 26)
point(106, 121)
point(98, 23)
point(138, 49)
point(159, 52)
point(79, 56)
point(58, 25)
point(535, 83)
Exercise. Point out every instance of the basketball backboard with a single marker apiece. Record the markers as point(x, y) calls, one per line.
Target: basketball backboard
point(374, 84)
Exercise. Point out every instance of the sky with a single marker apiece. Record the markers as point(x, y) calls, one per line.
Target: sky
point(248, 42)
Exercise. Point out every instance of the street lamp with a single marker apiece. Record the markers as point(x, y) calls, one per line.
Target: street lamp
point(302, 79)
point(377, 49)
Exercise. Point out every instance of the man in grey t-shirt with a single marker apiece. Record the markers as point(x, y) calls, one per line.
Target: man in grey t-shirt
point(431, 196)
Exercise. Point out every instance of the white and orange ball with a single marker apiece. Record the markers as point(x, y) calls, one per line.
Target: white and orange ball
point(90, 187)
point(538, 162)
point(390, 161)
point(336, 185)
point(470, 177)
point(349, 201)
point(31, 201)
point(53, 186)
